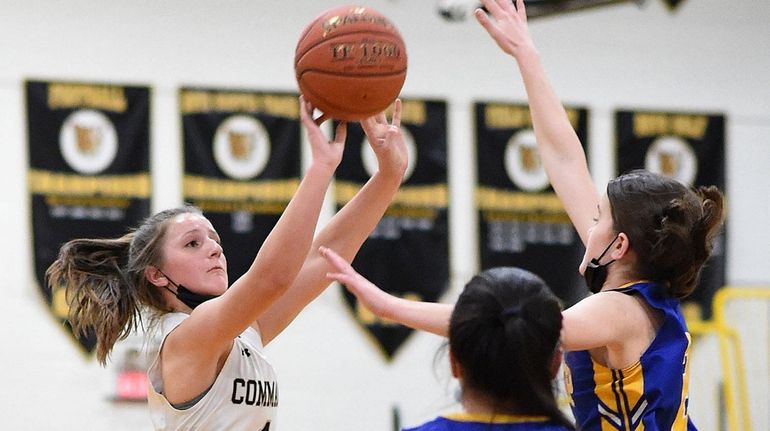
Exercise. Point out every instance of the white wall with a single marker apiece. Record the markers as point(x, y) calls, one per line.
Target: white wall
point(710, 55)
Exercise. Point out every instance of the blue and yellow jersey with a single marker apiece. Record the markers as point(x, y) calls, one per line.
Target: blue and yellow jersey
point(501, 422)
point(648, 395)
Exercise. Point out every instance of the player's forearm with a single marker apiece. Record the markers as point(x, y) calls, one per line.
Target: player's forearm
point(556, 137)
point(559, 147)
point(286, 247)
point(346, 232)
point(431, 317)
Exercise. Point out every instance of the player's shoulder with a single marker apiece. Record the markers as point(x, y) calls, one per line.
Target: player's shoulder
point(602, 300)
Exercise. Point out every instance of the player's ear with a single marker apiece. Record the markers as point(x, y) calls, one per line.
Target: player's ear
point(622, 246)
point(155, 276)
point(457, 370)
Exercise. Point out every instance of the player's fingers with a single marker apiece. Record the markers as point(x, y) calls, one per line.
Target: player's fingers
point(302, 108)
point(335, 276)
point(332, 257)
point(341, 133)
point(396, 121)
point(320, 120)
point(487, 23)
point(493, 7)
point(509, 6)
point(369, 125)
point(391, 135)
point(521, 9)
point(344, 279)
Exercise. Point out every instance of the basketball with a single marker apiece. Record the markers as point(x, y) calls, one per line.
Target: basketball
point(350, 62)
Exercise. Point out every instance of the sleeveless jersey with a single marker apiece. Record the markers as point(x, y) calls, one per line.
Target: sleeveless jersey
point(244, 396)
point(648, 395)
point(472, 422)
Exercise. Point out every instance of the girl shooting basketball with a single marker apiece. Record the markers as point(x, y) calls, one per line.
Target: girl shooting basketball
point(211, 372)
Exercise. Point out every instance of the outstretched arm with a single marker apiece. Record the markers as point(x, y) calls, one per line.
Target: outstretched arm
point(426, 316)
point(350, 227)
point(276, 265)
point(560, 149)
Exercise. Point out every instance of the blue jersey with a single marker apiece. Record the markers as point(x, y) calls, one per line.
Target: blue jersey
point(469, 422)
point(648, 395)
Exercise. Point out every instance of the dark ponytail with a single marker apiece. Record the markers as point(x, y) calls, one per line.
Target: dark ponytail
point(504, 333)
point(671, 227)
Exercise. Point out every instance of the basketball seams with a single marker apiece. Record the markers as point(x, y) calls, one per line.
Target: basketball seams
point(350, 69)
point(354, 75)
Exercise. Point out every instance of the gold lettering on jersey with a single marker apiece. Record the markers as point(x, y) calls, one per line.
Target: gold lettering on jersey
point(209, 189)
point(568, 385)
point(491, 199)
point(684, 125)
point(424, 196)
point(115, 186)
point(504, 116)
point(198, 101)
point(107, 98)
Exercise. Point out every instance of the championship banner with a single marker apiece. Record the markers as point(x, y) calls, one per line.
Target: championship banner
point(88, 170)
point(407, 255)
point(689, 147)
point(241, 164)
point(521, 221)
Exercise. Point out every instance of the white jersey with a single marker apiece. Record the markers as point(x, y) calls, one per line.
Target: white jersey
point(244, 396)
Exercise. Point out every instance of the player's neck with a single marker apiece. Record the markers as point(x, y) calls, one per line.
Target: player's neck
point(480, 404)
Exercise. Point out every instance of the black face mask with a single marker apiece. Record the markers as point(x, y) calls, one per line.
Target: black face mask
point(188, 297)
point(595, 273)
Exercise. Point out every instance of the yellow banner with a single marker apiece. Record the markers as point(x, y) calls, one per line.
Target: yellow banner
point(495, 199)
point(204, 188)
point(117, 186)
point(430, 196)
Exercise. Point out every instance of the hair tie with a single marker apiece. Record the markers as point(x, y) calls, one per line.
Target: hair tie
point(512, 311)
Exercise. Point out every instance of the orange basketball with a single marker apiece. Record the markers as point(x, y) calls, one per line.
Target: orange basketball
point(350, 62)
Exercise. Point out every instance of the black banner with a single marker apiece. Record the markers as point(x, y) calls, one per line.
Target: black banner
point(688, 147)
point(241, 164)
point(88, 169)
point(521, 221)
point(407, 255)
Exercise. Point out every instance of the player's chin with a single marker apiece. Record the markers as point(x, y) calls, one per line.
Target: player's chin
point(222, 282)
